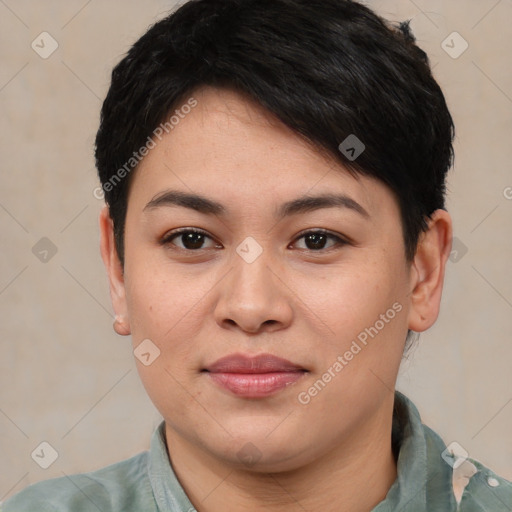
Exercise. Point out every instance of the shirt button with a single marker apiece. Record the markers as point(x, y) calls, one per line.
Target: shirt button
point(492, 482)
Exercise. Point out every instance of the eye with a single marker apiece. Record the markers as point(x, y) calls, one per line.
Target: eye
point(316, 240)
point(194, 239)
point(191, 239)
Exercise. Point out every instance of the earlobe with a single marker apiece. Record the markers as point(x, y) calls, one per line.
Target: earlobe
point(115, 273)
point(121, 326)
point(427, 271)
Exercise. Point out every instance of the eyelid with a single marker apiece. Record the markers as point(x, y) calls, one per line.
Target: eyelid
point(321, 231)
point(166, 239)
point(339, 239)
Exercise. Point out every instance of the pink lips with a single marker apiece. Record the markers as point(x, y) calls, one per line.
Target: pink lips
point(254, 377)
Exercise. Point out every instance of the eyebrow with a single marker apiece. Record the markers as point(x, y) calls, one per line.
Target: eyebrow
point(302, 204)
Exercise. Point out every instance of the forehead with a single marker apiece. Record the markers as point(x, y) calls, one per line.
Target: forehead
point(231, 148)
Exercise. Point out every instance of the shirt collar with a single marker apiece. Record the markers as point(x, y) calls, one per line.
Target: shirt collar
point(423, 483)
point(424, 479)
point(169, 494)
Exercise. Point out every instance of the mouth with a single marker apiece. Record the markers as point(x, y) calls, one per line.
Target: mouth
point(254, 377)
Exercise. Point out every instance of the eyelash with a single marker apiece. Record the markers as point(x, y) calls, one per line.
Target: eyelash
point(167, 239)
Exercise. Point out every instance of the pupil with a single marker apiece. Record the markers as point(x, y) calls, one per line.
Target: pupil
point(311, 238)
point(194, 240)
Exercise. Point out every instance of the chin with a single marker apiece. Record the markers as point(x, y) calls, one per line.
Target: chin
point(261, 453)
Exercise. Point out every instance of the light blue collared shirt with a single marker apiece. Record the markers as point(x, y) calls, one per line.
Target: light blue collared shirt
point(147, 482)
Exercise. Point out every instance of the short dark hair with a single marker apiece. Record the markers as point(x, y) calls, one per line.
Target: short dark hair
point(327, 69)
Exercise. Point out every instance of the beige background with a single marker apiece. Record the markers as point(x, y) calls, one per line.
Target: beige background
point(68, 379)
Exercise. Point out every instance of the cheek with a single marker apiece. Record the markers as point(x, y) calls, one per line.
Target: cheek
point(150, 303)
point(349, 297)
point(145, 296)
point(362, 306)
point(165, 305)
point(162, 309)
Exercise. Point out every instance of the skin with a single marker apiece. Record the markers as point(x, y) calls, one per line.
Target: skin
point(299, 301)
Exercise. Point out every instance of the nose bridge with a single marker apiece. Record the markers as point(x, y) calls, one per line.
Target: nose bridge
point(252, 295)
point(252, 272)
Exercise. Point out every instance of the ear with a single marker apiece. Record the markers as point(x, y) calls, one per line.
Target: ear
point(427, 271)
point(115, 273)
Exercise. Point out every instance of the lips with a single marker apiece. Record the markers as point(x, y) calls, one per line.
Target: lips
point(254, 377)
point(263, 363)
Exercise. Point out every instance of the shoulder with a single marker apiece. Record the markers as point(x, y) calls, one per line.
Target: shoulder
point(477, 488)
point(486, 491)
point(452, 476)
point(121, 486)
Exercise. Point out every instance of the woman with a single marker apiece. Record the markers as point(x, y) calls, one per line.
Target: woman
point(274, 233)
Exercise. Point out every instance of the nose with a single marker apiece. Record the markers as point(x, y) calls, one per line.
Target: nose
point(254, 297)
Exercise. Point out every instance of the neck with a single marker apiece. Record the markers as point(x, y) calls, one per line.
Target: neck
point(355, 475)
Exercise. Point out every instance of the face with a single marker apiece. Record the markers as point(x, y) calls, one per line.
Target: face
point(309, 300)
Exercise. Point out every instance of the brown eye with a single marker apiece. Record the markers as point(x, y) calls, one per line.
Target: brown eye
point(316, 240)
point(190, 239)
